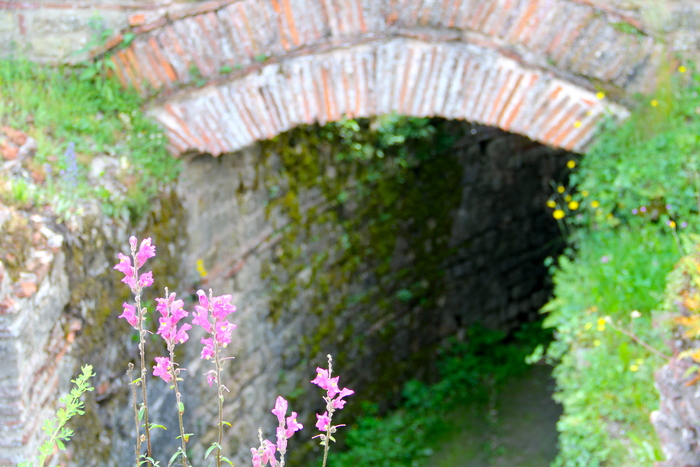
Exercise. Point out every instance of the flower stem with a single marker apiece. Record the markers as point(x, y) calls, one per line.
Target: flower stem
point(130, 374)
point(142, 351)
point(178, 397)
point(221, 400)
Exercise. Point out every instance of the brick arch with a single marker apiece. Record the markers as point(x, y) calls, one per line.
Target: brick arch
point(226, 73)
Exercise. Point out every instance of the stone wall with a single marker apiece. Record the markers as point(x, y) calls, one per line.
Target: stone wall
point(278, 261)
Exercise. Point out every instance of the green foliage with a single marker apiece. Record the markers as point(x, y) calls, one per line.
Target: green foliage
point(638, 191)
point(467, 369)
point(651, 161)
point(56, 106)
point(55, 428)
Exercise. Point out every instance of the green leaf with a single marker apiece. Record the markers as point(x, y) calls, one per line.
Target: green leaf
point(226, 459)
point(88, 73)
point(690, 370)
point(181, 407)
point(153, 425)
point(127, 39)
point(60, 445)
point(211, 448)
point(175, 456)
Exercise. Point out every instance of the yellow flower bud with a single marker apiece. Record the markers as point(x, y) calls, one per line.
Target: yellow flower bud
point(571, 164)
point(595, 204)
point(560, 189)
point(558, 214)
point(551, 203)
point(600, 95)
point(654, 102)
point(584, 193)
point(682, 69)
point(573, 205)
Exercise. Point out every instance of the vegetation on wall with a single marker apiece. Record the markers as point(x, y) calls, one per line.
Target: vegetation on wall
point(73, 121)
point(375, 187)
point(635, 198)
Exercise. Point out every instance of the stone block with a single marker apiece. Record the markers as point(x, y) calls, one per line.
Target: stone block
point(8, 22)
point(58, 46)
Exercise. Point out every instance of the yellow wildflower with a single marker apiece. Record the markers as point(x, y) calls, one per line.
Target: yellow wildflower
point(588, 326)
point(595, 204)
point(601, 321)
point(571, 164)
point(567, 198)
point(600, 95)
point(584, 193)
point(551, 203)
point(560, 189)
point(558, 214)
point(634, 367)
point(573, 205)
point(654, 102)
point(672, 224)
point(596, 342)
point(200, 268)
point(577, 124)
point(682, 69)
point(601, 327)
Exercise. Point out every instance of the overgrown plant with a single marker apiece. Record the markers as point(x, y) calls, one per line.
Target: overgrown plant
point(211, 315)
point(635, 195)
point(334, 401)
point(55, 428)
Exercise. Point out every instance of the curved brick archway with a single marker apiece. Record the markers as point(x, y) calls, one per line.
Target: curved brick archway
point(227, 73)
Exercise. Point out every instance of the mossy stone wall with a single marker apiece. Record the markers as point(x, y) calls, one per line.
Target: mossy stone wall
point(375, 259)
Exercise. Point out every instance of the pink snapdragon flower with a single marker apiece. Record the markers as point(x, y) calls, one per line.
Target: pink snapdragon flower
point(147, 250)
point(211, 315)
point(287, 427)
point(334, 399)
point(131, 275)
point(130, 315)
point(323, 422)
point(171, 312)
point(162, 368)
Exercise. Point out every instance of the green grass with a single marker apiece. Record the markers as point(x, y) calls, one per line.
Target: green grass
point(470, 373)
point(638, 195)
point(56, 107)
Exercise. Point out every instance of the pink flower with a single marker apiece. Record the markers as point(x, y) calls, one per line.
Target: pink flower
point(323, 422)
point(130, 315)
point(201, 318)
point(257, 461)
point(338, 402)
point(211, 377)
point(146, 279)
point(224, 330)
point(292, 425)
point(208, 351)
point(145, 251)
point(162, 368)
point(171, 313)
point(222, 307)
point(124, 266)
point(323, 381)
point(280, 408)
point(268, 454)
